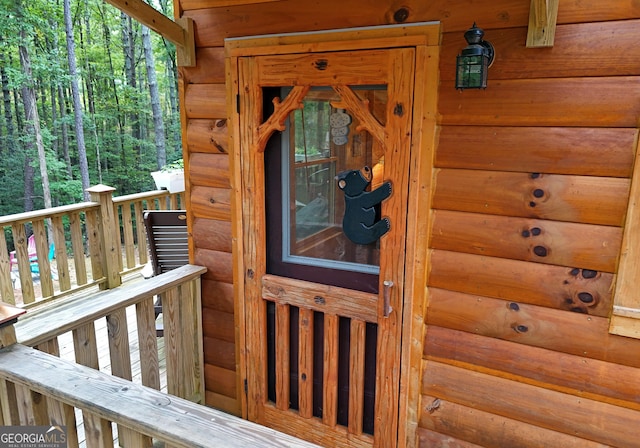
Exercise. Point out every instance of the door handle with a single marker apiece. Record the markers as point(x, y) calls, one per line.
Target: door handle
point(386, 297)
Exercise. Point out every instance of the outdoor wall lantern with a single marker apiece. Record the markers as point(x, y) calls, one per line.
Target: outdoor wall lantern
point(473, 63)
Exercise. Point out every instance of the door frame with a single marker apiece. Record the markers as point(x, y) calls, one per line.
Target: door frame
point(425, 39)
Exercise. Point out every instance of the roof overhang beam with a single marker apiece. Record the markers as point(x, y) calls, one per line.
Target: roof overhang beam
point(543, 16)
point(179, 32)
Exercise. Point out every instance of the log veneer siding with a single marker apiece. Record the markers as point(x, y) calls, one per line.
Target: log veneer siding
point(569, 113)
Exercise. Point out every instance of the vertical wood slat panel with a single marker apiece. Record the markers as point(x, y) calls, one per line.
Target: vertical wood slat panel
point(190, 351)
point(51, 346)
point(356, 376)
point(22, 254)
point(8, 403)
point(119, 351)
point(85, 347)
point(97, 431)
point(142, 236)
point(127, 229)
point(6, 286)
point(97, 268)
point(44, 267)
point(283, 320)
point(148, 344)
point(77, 243)
point(60, 246)
point(26, 411)
point(305, 363)
point(172, 342)
point(330, 370)
point(61, 414)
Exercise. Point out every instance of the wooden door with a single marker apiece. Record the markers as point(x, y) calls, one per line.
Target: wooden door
point(322, 313)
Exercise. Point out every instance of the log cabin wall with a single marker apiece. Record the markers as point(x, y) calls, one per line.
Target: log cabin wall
point(531, 190)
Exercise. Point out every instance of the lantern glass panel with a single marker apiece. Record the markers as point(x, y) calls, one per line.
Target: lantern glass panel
point(471, 72)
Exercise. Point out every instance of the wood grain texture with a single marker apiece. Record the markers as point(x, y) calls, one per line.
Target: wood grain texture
point(220, 264)
point(578, 417)
point(540, 284)
point(581, 49)
point(606, 152)
point(561, 331)
point(545, 102)
point(208, 136)
point(323, 298)
point(220, 381)
point(211, 203)
point(209, 68)
point(142, 409)
point(213, 25)
point(218, 325)
point(572, 374)
point(445, 419)
point(220, 353)
point(217, 295)
point(582, 199)
point(212, 234)
point(209, 170)
point(584, 246)
point(205, 101)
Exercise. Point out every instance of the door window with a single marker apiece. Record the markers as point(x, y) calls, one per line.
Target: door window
point(305, 206)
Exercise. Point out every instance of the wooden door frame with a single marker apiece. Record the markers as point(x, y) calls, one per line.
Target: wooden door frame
point(425, 38)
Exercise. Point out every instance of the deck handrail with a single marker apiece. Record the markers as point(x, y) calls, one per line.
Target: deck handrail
point(107, 229)
point(141, 413)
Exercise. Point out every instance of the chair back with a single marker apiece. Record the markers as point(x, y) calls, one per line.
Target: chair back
point(168, 239)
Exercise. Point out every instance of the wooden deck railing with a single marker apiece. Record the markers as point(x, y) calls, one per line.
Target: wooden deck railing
point(79, 246)
point(38, 388)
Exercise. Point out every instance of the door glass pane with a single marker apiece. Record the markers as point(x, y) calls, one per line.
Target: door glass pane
point(321, 141)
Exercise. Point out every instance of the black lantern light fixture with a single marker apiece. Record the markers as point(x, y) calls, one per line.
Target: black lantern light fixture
point(472, 64)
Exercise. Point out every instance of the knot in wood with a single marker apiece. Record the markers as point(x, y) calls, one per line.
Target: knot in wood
point(319, 300)
point(401, 15)
point(321, 64)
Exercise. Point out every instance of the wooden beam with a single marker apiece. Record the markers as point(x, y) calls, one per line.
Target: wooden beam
point(179, 32)
point(543, 15)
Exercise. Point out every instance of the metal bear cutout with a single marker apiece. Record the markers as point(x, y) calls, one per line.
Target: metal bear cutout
point(359, 223)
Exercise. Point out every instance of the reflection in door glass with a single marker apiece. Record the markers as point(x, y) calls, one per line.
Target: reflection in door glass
point(322, 140)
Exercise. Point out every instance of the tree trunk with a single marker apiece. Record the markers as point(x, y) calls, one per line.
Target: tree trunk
point(77, 105)
point(128, 46)
point(32, 127)
point(6, 101)
point(158, 123)
point(62, 101)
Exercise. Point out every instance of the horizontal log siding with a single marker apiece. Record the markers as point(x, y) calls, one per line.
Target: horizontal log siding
point(532, 186)
point(508, 278)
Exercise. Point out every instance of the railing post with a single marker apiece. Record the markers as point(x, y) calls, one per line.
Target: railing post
point(9, 414)
point(109, 244)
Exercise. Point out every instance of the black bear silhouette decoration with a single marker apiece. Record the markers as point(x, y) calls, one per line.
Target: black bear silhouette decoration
point(359, 223)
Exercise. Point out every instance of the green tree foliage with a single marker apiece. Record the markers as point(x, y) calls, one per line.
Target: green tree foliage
point(118, 155)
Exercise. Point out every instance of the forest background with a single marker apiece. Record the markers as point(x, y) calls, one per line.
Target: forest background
point(89, 96)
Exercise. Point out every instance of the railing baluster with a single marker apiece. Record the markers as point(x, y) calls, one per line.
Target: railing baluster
point(148, 344)
point(24, 267)
point(62, 263)
point(6, 282)
point(85, 347)
point(143, 256)
point(77, 245)
point(97, 431)
point(283, 371)
point(127, 231)
point(305, 363)
point(331, 350)
point(356, 376)
point(61, 414)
